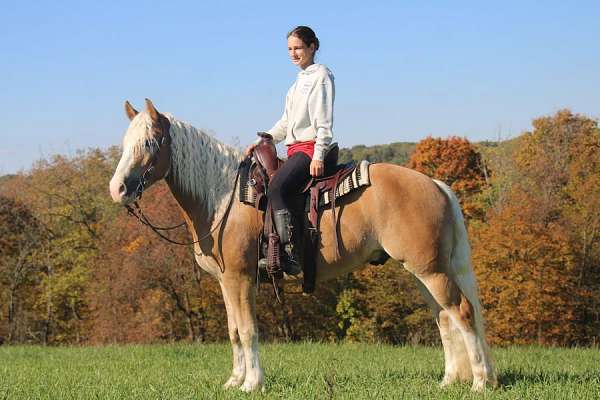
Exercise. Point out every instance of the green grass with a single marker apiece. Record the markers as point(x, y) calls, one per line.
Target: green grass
point(293, 371)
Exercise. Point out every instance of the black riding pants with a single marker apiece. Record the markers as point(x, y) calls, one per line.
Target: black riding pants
point(288, 181)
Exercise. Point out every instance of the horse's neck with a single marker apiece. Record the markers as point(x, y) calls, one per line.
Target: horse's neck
point(202, 175)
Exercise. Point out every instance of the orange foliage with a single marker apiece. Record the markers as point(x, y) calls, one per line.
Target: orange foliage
point(95, 275)
point(456, 162)
point(537, 257)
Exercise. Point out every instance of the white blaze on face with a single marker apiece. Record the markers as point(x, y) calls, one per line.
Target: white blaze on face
point(129, 168)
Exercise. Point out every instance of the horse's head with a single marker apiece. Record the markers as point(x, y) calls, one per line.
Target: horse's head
point(146, 154)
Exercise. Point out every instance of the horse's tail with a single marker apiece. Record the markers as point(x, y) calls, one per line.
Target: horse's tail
point(461, 266)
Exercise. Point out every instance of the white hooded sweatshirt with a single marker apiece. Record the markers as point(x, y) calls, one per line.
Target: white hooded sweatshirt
point(308, 113)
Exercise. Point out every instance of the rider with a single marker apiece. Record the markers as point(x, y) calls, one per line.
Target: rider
point(306, 126)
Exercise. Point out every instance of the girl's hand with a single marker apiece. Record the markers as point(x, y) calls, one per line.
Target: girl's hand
point(250, 149)
point(316, 168)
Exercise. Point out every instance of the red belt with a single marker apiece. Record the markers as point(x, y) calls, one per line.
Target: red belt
point(307, 148)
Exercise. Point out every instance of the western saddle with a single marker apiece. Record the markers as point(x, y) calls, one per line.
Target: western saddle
point(259, 172)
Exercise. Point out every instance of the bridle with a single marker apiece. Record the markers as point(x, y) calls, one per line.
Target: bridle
point(152, 166)
point(137, 212)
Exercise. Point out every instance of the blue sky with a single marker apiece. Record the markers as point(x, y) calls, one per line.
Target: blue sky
point(404, 70)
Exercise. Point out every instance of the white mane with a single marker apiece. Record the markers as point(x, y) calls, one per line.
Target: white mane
point(201, 165)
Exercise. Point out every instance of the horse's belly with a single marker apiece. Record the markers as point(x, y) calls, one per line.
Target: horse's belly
point(356, 242)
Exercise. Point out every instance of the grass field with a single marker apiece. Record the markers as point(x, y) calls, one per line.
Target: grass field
point(293, 371)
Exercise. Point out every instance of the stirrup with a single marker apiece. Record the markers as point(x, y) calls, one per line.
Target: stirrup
point(286, 266)
point(290, 268)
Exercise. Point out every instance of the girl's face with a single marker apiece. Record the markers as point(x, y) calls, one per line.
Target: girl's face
point(300, 54)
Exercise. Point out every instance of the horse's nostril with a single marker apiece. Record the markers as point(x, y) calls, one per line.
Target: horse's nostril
point(118, 190)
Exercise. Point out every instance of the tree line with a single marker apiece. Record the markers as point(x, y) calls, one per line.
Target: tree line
point(74, 269)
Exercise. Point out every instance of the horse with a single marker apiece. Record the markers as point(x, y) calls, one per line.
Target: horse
point(407, 215)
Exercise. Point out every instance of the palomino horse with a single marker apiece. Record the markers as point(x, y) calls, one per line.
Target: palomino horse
point(414, 219)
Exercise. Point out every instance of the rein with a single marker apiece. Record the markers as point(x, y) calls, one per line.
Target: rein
point(139, 214)
point(136, 210)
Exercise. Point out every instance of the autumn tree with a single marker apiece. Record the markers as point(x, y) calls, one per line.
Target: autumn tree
point(382, 304)
point(75, 269)
point(20, 237)
point(148, 290)
point(538, 255)
point(456, 162)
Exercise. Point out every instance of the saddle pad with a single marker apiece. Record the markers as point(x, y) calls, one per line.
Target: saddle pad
point(359, 177)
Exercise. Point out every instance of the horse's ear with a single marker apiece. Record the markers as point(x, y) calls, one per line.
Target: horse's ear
point(151, 110)
point(130, 111)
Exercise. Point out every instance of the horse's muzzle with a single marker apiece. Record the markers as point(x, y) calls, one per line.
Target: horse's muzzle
point(121, 192)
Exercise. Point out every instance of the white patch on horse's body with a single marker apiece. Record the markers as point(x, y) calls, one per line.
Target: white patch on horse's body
point(254, 373)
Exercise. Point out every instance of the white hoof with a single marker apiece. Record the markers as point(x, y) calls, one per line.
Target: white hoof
point(233, 382)
point(445, 383)
point(448, 380)
point(252, 387)
point(478, 385)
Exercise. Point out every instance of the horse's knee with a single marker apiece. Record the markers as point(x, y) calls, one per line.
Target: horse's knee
point(247, 336)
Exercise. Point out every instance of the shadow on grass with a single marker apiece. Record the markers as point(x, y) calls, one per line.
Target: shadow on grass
point(513, 378)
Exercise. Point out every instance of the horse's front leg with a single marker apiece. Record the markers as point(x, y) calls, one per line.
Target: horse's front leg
point(238, 373)
point(241, 291)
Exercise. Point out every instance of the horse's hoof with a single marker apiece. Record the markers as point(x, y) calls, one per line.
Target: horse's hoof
point(444, 383)
point(233, 382)
point(252, 387)
point(448, 380)
point(478, 386)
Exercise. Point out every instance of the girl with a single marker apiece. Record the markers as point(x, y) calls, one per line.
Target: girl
point(306, 126)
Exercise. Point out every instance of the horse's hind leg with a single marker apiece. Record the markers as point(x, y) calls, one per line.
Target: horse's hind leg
point(460, 313)
point(456, 362)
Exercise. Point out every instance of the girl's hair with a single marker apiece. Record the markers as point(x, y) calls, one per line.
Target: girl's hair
point(305, 34)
